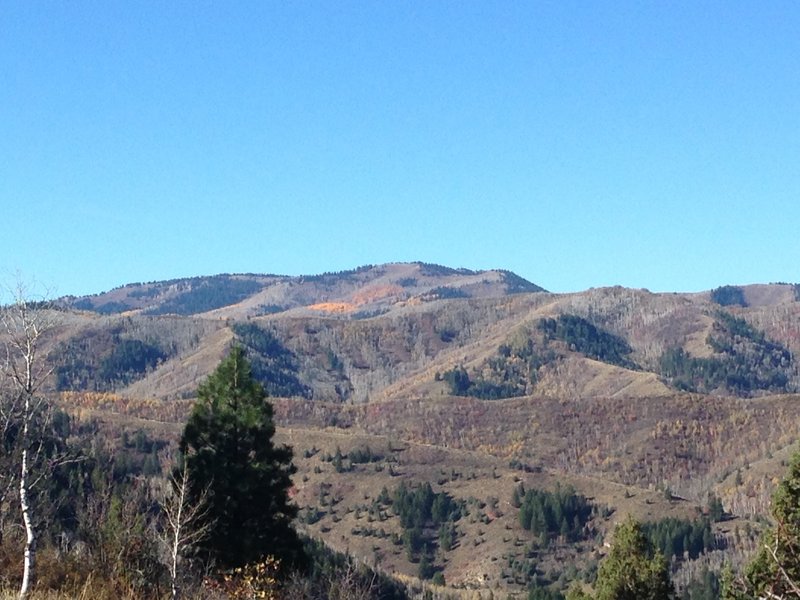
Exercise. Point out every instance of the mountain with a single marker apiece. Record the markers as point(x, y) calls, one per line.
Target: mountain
point(363, 291)
point(421, 351)
point(473, 381)
point(380, 332)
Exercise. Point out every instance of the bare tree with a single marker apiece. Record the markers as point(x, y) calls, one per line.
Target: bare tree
point(186, 524)
point(352, 584)
point(349, 582)
point(24, 323)
point(8, 464)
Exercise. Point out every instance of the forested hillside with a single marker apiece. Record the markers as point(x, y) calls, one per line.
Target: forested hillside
point(465, 429)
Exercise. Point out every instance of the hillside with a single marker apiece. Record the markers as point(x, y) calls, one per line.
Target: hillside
point(644, 402)
point(399, 330)
point(359, 292)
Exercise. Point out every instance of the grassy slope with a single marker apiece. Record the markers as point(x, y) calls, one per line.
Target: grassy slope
point(489, 537)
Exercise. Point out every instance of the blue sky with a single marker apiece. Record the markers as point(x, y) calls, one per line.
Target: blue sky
point(579, 144)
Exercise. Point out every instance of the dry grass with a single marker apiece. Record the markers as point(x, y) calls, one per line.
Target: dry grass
point(575, 443)
point(487, 537)
point(180, 376)
point(91, 591)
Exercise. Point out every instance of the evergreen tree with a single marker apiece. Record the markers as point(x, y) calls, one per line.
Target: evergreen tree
point(228, 448)
point(632, 570)
point(775, 571)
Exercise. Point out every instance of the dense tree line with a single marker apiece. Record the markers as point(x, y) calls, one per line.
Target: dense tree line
point(730, 332)
point(129, 360)
point(345, 463)
point(195, 294)
point(514, 369)
point(208, 294)
point(728, 295)
point(423, 515)
point(680, 537)
point(364, 454)
point(508, 374)
point(583, 336)
point(745, 361)
point(422, 507)
point(274, 365)
point(559, 513)
point(101, 361)
point(345, 274)
point(116, 352)
point(519, 285)
point(460, 384)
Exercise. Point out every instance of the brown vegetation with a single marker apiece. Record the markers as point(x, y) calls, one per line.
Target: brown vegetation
point(620, 435)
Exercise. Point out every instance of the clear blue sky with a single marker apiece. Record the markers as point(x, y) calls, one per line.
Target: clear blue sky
point(579, 144)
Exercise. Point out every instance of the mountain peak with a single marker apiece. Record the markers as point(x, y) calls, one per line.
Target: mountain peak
point(360, 291)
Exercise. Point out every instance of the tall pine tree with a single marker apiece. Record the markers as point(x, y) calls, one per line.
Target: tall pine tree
point(232, 460)
point(775, 570)
point(633, 570)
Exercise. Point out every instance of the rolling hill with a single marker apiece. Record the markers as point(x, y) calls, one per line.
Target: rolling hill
point(645, 402)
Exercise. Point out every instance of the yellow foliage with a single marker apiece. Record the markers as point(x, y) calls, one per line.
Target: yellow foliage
point(333, 307)
point(257, 580)
point(378, 292)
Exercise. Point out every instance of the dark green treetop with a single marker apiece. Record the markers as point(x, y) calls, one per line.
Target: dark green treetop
point(632, 570)
point(228, 448)
point(775, 570)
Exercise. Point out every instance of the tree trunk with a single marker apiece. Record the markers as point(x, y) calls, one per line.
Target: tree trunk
point(184, 527)
point(23, 329)
point(176, 543)
point(29, 560)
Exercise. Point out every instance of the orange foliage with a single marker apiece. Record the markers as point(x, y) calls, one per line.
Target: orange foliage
point(360, 298)
point(167, 411)
point(333, 307)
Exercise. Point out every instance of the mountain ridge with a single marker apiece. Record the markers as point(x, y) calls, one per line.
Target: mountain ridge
point(364, 333)
point(261, 294)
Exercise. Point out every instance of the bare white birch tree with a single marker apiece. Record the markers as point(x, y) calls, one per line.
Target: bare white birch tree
point(24, 323)
point(186, 525)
